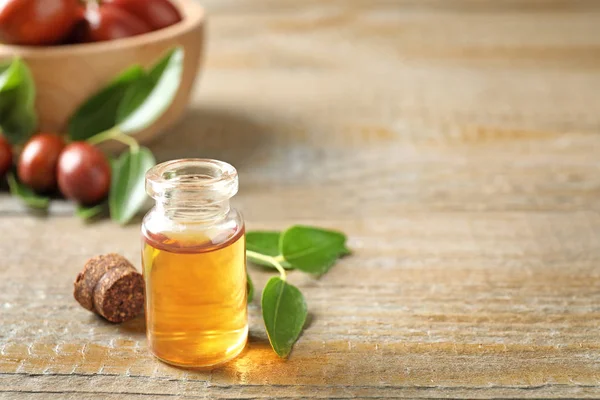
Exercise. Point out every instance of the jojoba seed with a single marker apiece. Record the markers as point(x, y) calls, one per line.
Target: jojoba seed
point(6, 156)
point(37, 22)
point(108, 22)
point(157, 14)
point(83, 173)
point(37, 164)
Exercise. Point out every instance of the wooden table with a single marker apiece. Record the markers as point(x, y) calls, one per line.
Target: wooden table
point(456, 142)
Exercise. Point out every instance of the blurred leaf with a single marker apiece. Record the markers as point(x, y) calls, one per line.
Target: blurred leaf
point(99, 112)
point(345, 252)
point(28, 196)
point(127, 191)
point(148, 98)
point(250, 286)
point(18, 119)
point(87, 213)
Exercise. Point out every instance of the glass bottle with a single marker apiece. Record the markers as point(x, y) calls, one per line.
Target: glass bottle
point(194, 264)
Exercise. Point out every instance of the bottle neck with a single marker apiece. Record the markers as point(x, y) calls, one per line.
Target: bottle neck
point(196, 210)
point(192, 190)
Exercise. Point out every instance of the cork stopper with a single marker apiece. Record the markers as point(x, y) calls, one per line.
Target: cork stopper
point(110, 286)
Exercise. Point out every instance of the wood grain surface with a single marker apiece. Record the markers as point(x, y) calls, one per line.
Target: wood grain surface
point(456, 142)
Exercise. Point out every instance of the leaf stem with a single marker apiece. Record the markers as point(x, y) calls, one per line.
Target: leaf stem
point(274, 261)
point(115, 134)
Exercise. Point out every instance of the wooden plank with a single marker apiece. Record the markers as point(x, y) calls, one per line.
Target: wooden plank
point(435, 301)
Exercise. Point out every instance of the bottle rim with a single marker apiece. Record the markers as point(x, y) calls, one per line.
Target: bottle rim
point(209, 178)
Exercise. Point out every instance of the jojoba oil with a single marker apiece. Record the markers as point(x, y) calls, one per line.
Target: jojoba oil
point(194, 265)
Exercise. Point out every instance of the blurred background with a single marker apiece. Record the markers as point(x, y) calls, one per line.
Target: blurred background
point(382, 106)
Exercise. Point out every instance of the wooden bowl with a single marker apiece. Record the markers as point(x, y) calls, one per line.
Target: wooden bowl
point(65, 76)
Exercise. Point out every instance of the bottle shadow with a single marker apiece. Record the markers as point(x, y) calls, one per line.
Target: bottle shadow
point(134, 327)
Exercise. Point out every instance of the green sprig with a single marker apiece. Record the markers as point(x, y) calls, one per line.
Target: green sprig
point(309, 249)
point(132, 102)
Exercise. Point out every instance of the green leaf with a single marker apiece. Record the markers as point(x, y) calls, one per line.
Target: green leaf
point(4, 66)
point(127, 190)
point(266, 243)
point(87, 213)
point(345, 252)
point(148, 98)
point(134, 97)
point(311, 249)
point(28, 196)
point(18, 119)
point(250, 287)
point(284, 312)
point(99, 113)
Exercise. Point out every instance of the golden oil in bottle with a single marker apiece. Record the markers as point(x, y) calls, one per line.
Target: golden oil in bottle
point(194, 265)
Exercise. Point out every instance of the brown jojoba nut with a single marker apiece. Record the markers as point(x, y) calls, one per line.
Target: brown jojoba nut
point(110, 286)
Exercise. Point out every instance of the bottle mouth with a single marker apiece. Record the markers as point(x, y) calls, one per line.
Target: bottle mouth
point(210, 179)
